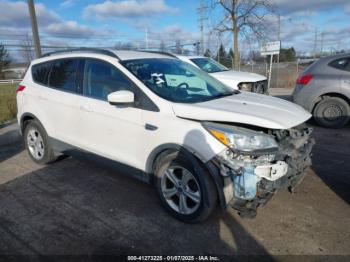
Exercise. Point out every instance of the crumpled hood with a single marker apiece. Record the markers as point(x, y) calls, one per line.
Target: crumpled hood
point(246, 108)
point(239, 76)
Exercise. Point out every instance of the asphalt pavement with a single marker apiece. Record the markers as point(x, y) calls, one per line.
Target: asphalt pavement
point(80, 206)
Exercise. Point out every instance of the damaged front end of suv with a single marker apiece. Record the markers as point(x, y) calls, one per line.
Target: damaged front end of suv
point(258, 162)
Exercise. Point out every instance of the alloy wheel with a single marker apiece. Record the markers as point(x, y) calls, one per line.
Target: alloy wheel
point(181, 190)
point(35, 143)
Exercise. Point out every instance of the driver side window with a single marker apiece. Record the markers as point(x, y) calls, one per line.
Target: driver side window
point(102, 78)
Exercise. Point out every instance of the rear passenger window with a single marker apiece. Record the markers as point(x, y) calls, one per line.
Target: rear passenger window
point(101, 79)
point(342, 63)
point(63, 74)
point(40, 72)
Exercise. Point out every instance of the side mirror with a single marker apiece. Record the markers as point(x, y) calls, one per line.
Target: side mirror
point(122, 97)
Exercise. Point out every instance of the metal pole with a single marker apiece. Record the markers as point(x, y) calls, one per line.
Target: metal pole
point(297, 67)
point(278, 55)
point(34, 28)
point(322, 35)
point(146, 38)
point(315, 42)
point(278, 69)
point(279, 27)
point(270, 71)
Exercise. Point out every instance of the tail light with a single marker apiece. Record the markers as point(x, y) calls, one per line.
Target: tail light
point(20, 88)
point(304, 79)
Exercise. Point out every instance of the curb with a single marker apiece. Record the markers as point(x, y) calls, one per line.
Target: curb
point(8, 123)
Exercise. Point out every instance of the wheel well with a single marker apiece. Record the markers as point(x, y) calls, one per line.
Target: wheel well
point(212, 170)
point(25, 120)
point(156, 155)
point(347, 99)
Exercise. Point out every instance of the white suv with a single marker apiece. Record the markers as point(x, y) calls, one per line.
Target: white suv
point(202, 142)
point(244, 81)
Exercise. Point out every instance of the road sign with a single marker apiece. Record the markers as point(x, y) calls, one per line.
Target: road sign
point(271, 48)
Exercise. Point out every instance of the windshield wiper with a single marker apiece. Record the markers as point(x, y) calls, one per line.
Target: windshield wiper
point(226, 94)
point(216, 71)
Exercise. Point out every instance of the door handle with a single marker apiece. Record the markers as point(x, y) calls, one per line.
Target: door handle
point(86, 108)
point(150, 127)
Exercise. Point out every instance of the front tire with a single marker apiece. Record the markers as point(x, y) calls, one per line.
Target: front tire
point(332, 112)
point(37, 143)
point(185, 188)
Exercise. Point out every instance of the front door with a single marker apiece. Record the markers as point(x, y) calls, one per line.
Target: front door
point(115, 132)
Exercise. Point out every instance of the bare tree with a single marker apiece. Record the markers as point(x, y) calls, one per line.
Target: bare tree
point(162, 46)
point(245, 17)
point(27, 49)
point(4, 59)
point(178, 47)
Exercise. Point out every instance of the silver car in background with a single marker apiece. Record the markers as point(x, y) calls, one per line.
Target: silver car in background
point(323, 89)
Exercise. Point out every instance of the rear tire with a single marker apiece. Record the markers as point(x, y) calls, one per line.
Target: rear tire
point(185, 188)
point(332, 112)
point(37, 143)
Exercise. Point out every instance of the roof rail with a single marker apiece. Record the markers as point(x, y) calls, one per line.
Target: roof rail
point(84, 49)
point(160, 52)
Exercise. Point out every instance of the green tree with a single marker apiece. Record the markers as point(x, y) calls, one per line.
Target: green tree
point(231, 57)
point(223, 57)
point(207, 53)
point(287, 54)
point(4, 59)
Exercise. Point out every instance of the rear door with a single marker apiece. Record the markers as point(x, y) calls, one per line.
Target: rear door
point(60, 100)
point(345, 79)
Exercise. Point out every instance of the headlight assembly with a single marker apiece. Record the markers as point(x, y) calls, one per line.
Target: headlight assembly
point(241, 139)
point(246, 87)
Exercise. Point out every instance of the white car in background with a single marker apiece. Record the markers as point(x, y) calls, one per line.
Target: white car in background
point(244, 81)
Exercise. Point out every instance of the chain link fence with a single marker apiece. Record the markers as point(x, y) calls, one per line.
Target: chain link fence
point(284, 75)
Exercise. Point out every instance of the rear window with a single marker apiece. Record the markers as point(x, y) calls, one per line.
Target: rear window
point(63, 74)
point(341, 63)
point(40, 72)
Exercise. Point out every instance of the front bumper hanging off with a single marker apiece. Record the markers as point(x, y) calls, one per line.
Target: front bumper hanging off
point(286, 171)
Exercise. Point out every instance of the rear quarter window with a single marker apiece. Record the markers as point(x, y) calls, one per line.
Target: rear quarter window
point(341, 63)
point(40, 72)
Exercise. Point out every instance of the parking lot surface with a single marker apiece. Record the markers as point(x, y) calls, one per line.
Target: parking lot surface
point(81, 206)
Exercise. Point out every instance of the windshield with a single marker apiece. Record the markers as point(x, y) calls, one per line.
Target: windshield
point(208, 65)
point(177, 81)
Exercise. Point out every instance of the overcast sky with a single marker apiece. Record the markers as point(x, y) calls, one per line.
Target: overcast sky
point(104, 23)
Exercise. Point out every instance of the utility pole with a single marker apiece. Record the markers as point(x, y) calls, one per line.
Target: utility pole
point(279, 27)
point(315, 43)
point(322, 35)
point(278, 55)
point(201, 12)
point(34, 28)
point(146, 38)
